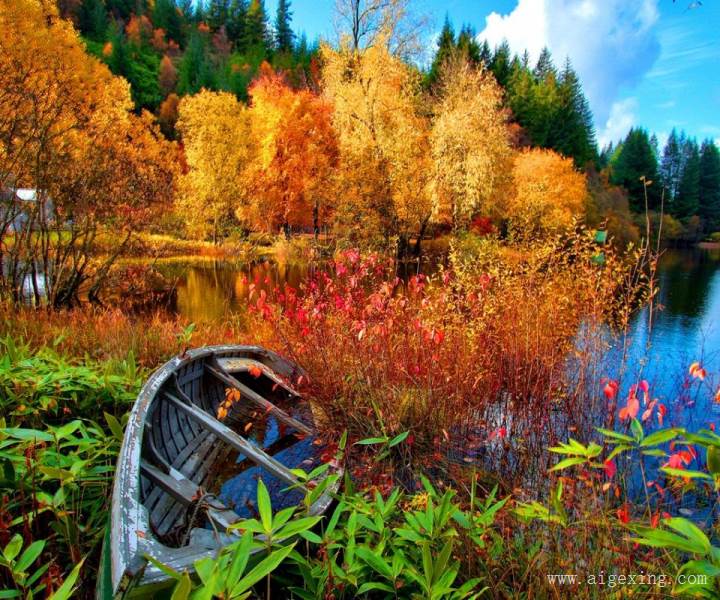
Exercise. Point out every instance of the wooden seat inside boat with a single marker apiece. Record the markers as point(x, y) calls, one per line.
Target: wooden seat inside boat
point(190, 457)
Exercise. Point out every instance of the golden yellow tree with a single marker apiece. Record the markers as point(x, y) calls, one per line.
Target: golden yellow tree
point(548, 193)
point(217, 138)
point(383, 135)
point(67, 131)
point(297, 154)
point(470, 146)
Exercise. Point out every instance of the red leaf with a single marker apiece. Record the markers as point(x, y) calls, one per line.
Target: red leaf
point(610, 469)
point(623, 514)
point(611, 388)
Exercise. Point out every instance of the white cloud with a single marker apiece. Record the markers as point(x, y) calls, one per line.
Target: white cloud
point(621, 119)
point(611, 43)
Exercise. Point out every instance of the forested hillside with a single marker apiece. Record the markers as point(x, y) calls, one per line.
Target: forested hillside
point(168, 49)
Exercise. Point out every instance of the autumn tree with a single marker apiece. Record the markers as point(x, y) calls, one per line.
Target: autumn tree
point(168, 115)
point(362, 24)
point(167, 76)
point(68, 132)
point(296, 155)
point(548, 194)
point(469, 145)
point(383, 138)
point(217, 138)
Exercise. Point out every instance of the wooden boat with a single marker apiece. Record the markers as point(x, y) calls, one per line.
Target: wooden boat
point(177, 454)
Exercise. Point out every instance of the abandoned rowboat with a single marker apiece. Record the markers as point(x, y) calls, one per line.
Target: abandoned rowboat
point(177, 452)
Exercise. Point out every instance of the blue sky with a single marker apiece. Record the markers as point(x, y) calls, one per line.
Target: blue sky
point(654, 63)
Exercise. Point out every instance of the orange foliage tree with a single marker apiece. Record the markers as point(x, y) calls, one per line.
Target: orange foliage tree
point(167, 75)
point(383, 139)
point(296, 155)
point(548, 193)
point(67, 131)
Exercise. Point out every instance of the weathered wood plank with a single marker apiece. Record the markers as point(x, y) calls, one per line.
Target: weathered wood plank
point(263, 403)
point(237, 441)
point(186, 492)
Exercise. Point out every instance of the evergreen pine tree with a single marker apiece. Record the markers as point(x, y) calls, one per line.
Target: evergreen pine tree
point(521, 95)
point(166, 16)
point(485, 54)
point(445, 49)
point(500, 65)
point(632, 160)
point(526, 60)
point(545, 110)
point(195, 71)
point(284, 35)
point(710, 185)
point(218, 12)
point(670, 167)
point(467, 45)
point(544, 67)
point(605, 154)
point(573, 132)
point(655, 146)
point(119, 59)
point(92, 19)
point(687, 202)
point(235, 25)
point(256, 30)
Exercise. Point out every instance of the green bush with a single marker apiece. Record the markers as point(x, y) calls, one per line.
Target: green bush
point(59, 441)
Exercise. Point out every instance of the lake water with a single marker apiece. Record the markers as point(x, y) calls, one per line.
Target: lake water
point(684, 330)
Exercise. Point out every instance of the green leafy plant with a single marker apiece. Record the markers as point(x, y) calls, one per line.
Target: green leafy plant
point(234, 572)
point(385, 443)
point(22, 567)
point(684, 536)
point(402, 546)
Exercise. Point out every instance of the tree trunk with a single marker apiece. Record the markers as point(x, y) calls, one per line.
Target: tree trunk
point(316, 219)
point(402, 247)
point(418, 241)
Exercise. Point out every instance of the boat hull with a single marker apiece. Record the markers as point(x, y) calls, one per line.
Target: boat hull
point(173, 445)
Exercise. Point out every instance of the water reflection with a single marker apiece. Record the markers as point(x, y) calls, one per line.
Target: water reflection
point(685, 329)
point(209, 289)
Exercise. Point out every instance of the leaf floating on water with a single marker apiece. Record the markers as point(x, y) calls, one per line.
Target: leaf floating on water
point(248, 427)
